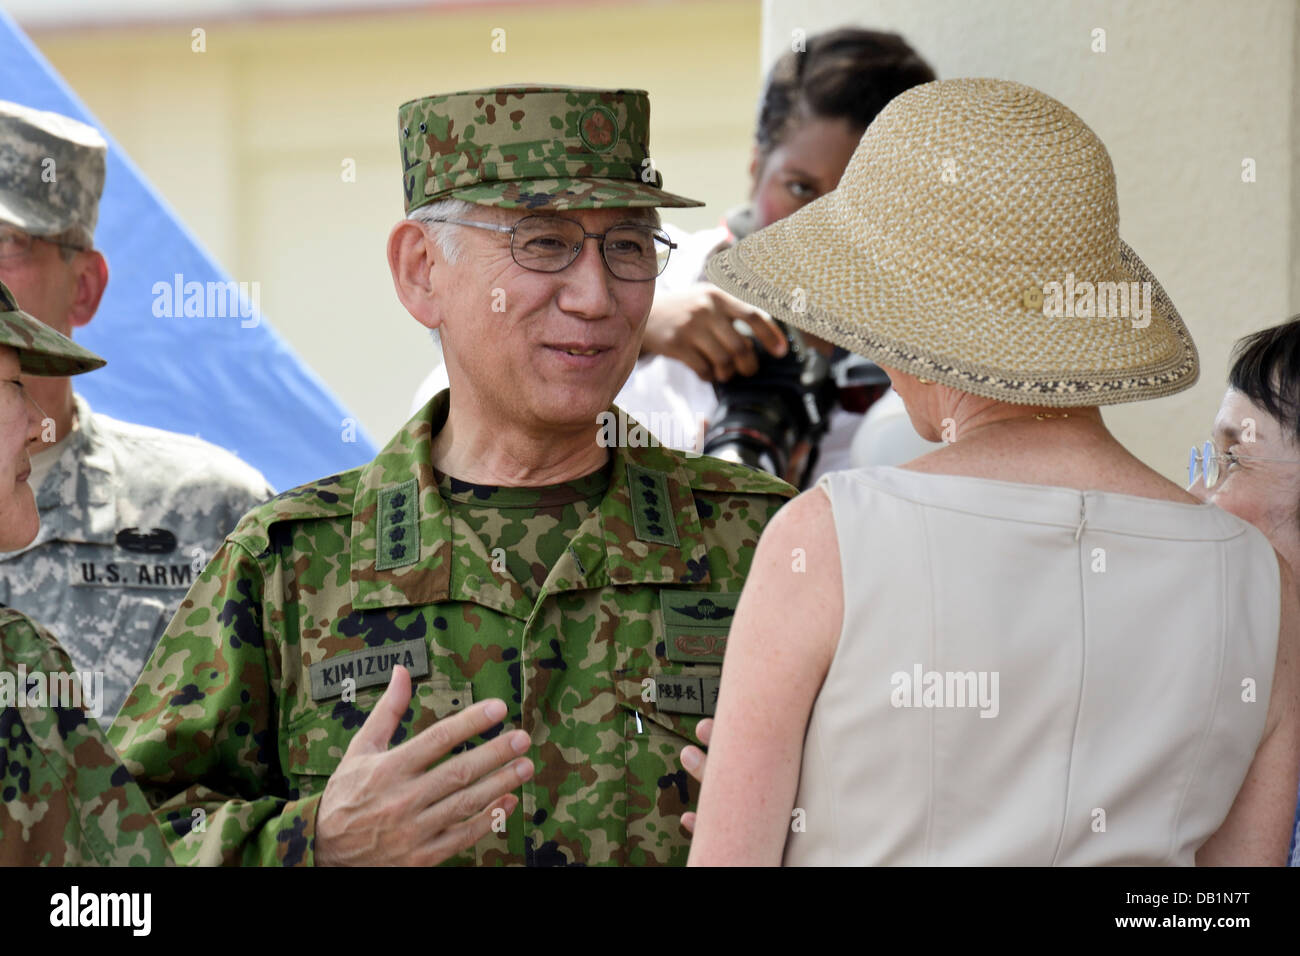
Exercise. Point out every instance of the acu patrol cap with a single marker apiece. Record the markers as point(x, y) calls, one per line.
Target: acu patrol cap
point(41, 350)
point(531, 147)
point(51, 172)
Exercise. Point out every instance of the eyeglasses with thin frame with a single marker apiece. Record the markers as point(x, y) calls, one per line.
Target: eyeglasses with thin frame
point(1205, 461)
point(635, 253)
point(16, 244)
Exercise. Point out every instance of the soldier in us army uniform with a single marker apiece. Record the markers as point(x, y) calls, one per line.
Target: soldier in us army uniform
point(130, 514)
point(65, 798)
point(549, 613)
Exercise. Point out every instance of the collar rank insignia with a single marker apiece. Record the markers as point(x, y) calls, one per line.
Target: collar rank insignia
point(652, 509)
point(397, 532)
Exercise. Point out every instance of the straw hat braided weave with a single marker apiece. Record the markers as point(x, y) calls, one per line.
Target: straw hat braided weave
point(964, 202)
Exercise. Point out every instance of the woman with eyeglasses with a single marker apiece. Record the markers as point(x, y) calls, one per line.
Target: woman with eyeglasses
point(1251, 467)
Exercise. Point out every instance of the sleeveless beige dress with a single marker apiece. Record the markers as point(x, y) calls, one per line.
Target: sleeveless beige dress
point(1030, 675)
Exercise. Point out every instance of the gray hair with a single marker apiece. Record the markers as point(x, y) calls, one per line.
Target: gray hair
point(443, 234)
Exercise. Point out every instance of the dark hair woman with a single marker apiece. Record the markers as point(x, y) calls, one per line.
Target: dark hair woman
point(815, 108)
point(816, 105)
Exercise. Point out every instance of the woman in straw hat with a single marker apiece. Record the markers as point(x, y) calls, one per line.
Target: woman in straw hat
point(1025, 647)
point(65, 798)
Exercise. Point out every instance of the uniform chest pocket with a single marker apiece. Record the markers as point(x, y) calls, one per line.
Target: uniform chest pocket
point(317, 739)
point(655, 729)
point(670, 699)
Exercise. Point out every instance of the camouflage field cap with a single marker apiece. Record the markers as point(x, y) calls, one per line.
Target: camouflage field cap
point(532, 147)
point(41, 350)
point(51, 172)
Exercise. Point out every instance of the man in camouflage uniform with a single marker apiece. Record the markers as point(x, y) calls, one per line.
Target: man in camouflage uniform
point(65, 798)
point(130, 514)
point(503, 546)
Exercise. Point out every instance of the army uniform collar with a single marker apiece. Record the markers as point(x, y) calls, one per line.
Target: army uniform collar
point(646, 530)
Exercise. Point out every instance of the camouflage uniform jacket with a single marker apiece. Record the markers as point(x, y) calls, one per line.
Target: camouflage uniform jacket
point(65, 798)
point(129, 516)
point(240, 713)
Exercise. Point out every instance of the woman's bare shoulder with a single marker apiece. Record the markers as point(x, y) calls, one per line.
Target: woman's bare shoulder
point(806, 521)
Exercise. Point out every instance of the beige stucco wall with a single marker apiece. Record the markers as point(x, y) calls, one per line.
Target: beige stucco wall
point(1185, 90)
point(247, 140)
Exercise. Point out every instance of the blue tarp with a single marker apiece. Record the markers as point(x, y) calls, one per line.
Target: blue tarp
point(231, 380)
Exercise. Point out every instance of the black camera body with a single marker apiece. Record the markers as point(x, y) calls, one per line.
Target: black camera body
point(774, 419)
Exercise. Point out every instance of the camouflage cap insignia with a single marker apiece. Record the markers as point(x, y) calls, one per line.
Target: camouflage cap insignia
point(598, 129)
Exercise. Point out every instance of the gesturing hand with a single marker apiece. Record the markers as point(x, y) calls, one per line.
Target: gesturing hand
point(694, 759)
point(394, 806)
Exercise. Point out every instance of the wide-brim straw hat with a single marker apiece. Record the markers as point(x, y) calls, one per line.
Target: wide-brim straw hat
point(963, 202)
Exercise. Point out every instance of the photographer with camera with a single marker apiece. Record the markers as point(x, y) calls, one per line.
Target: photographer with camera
point(772, 395)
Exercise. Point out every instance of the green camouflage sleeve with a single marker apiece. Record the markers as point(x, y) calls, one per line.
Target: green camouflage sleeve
point(67, 799)
point(204, 709)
